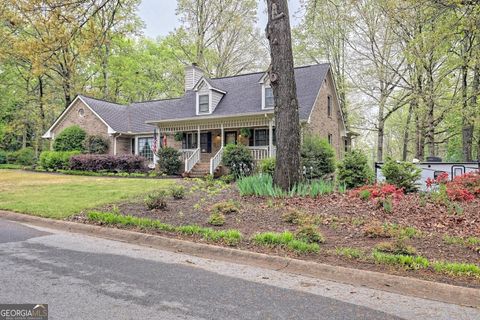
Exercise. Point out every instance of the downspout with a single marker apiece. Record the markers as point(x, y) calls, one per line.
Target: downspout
point(115, 143)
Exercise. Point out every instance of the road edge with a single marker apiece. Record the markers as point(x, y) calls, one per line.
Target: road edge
point(375, 280)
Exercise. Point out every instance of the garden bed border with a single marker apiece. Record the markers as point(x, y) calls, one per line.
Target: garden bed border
point(391, 283)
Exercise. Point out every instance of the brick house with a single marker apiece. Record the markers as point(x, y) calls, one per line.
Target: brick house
point(212, 113)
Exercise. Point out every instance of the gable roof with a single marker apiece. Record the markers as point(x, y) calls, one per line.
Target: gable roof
point(243, 96)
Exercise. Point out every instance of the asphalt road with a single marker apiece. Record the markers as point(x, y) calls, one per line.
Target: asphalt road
point(83, 277)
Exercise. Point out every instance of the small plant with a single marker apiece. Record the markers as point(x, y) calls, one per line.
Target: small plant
point(226, 207)
point(177, 192)
point(310, 234)
point(227, 178)
point(358, 222)
point(396, 247)
point(387, 204)
point(348, 252)
point(216, 219)
point(156, 200)
point(267, 166)
point(377, 230)
point(293, 216)
point(364, 195)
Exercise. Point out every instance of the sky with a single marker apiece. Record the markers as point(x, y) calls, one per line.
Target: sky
point(159, 16)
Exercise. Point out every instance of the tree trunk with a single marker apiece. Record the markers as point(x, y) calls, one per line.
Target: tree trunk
point(419, 138)
point(406, 133)
point(474, 102)
point(105, 57)
point(430, 103)
point(282, 80)
point(380, 127)
point(467, 118)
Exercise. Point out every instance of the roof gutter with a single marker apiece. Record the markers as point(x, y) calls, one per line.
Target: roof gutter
point(200, 118)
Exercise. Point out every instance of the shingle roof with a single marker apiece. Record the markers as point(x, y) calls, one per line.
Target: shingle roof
point(243, 97)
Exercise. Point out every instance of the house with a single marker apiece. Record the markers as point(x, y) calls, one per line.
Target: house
point(212, 113)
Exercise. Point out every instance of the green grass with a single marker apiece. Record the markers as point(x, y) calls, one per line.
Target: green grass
point(348, 252)
point(406, 261)
point(60, 196)
point(231, 237)
point(11, 166)
point(457, 269)
point(469, 241)
point(285, 239)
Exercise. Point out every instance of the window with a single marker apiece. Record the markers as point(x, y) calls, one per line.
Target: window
point(329, 106)
point(269, 102)
point(347, 147)
point(260, 137)
point(190, 140)
point(330, 138)
point(203, 103)
point(145, 148)
point(81, 112)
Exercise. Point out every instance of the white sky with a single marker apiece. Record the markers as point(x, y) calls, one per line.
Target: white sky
point(159, 16)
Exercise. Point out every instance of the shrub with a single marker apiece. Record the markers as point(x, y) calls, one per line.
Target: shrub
point(56, 160)
point(3, 157)
point(403, 175)
point(96, 144)
point(225, 207)
point(108, 163)
point(382, 194)
point(70, 139)
point(267, 166)
point(216, 219)
point(318, 157)
point(238, 159)
point(169, 160)
point(156, 200)
point(177, 192)
point(310, 234)
point(354, 170)
point(24, 157)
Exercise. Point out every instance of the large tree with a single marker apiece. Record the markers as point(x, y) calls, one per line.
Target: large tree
point(282, 80)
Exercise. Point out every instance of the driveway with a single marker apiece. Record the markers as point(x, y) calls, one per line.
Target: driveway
point(82, 277)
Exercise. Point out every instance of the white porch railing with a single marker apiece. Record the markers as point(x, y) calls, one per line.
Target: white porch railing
point(216, 160)
point(186, 153)
point(191, 161)
point(260, 153)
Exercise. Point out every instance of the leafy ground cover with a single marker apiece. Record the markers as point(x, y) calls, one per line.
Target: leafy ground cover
point(59, 196)
point(416, 236)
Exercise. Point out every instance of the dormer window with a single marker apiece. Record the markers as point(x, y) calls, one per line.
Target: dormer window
point(204, 103)
point(269, 101)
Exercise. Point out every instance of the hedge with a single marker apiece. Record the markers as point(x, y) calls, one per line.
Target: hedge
point(108, 163)
point(56, 160)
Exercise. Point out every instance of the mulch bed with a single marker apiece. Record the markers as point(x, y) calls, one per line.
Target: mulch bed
point(343, 219)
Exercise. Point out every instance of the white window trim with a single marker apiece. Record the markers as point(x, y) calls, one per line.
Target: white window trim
point(264, 107)
point(209, 103)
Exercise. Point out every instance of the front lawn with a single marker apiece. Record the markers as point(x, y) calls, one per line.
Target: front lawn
point(59, 196)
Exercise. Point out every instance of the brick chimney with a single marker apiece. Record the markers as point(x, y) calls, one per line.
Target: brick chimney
point(192, 74)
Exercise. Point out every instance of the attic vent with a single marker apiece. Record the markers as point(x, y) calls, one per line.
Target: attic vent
point(81, 112)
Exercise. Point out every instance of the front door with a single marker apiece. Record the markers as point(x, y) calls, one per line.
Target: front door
point(206, 142)
point(230, 137)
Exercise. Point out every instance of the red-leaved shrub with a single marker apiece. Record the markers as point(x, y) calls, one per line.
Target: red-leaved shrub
point(109, 163)
point(462, 188)
point(379, 192)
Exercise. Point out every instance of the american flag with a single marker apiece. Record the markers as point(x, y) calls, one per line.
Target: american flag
point(154, 145)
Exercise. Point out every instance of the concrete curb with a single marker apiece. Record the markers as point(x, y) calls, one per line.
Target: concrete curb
point(375, 280)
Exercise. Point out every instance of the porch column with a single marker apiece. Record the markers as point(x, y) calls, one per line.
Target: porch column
point(270, 138)
point(222, 135)
point(198, 137)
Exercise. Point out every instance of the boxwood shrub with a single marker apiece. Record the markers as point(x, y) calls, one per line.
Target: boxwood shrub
point(318, 157)
point(56, 160)
point(70, 139)
point(169, 161)
point(109, 163)
point(238, 159)
point(24, 157)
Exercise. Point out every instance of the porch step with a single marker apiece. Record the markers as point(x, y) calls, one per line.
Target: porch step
point(200, 170)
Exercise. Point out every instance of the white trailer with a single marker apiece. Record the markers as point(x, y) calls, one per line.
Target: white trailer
point(433, 170)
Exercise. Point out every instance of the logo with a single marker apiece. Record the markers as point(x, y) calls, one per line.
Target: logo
point(23, 311)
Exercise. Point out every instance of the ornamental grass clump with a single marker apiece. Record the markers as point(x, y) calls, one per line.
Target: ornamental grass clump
point(408, 262)
point(216, 219)
point(177, 192)
point(309, 234)
point(286, 240)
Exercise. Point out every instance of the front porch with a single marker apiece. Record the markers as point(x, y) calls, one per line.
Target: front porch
point(202, 143)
